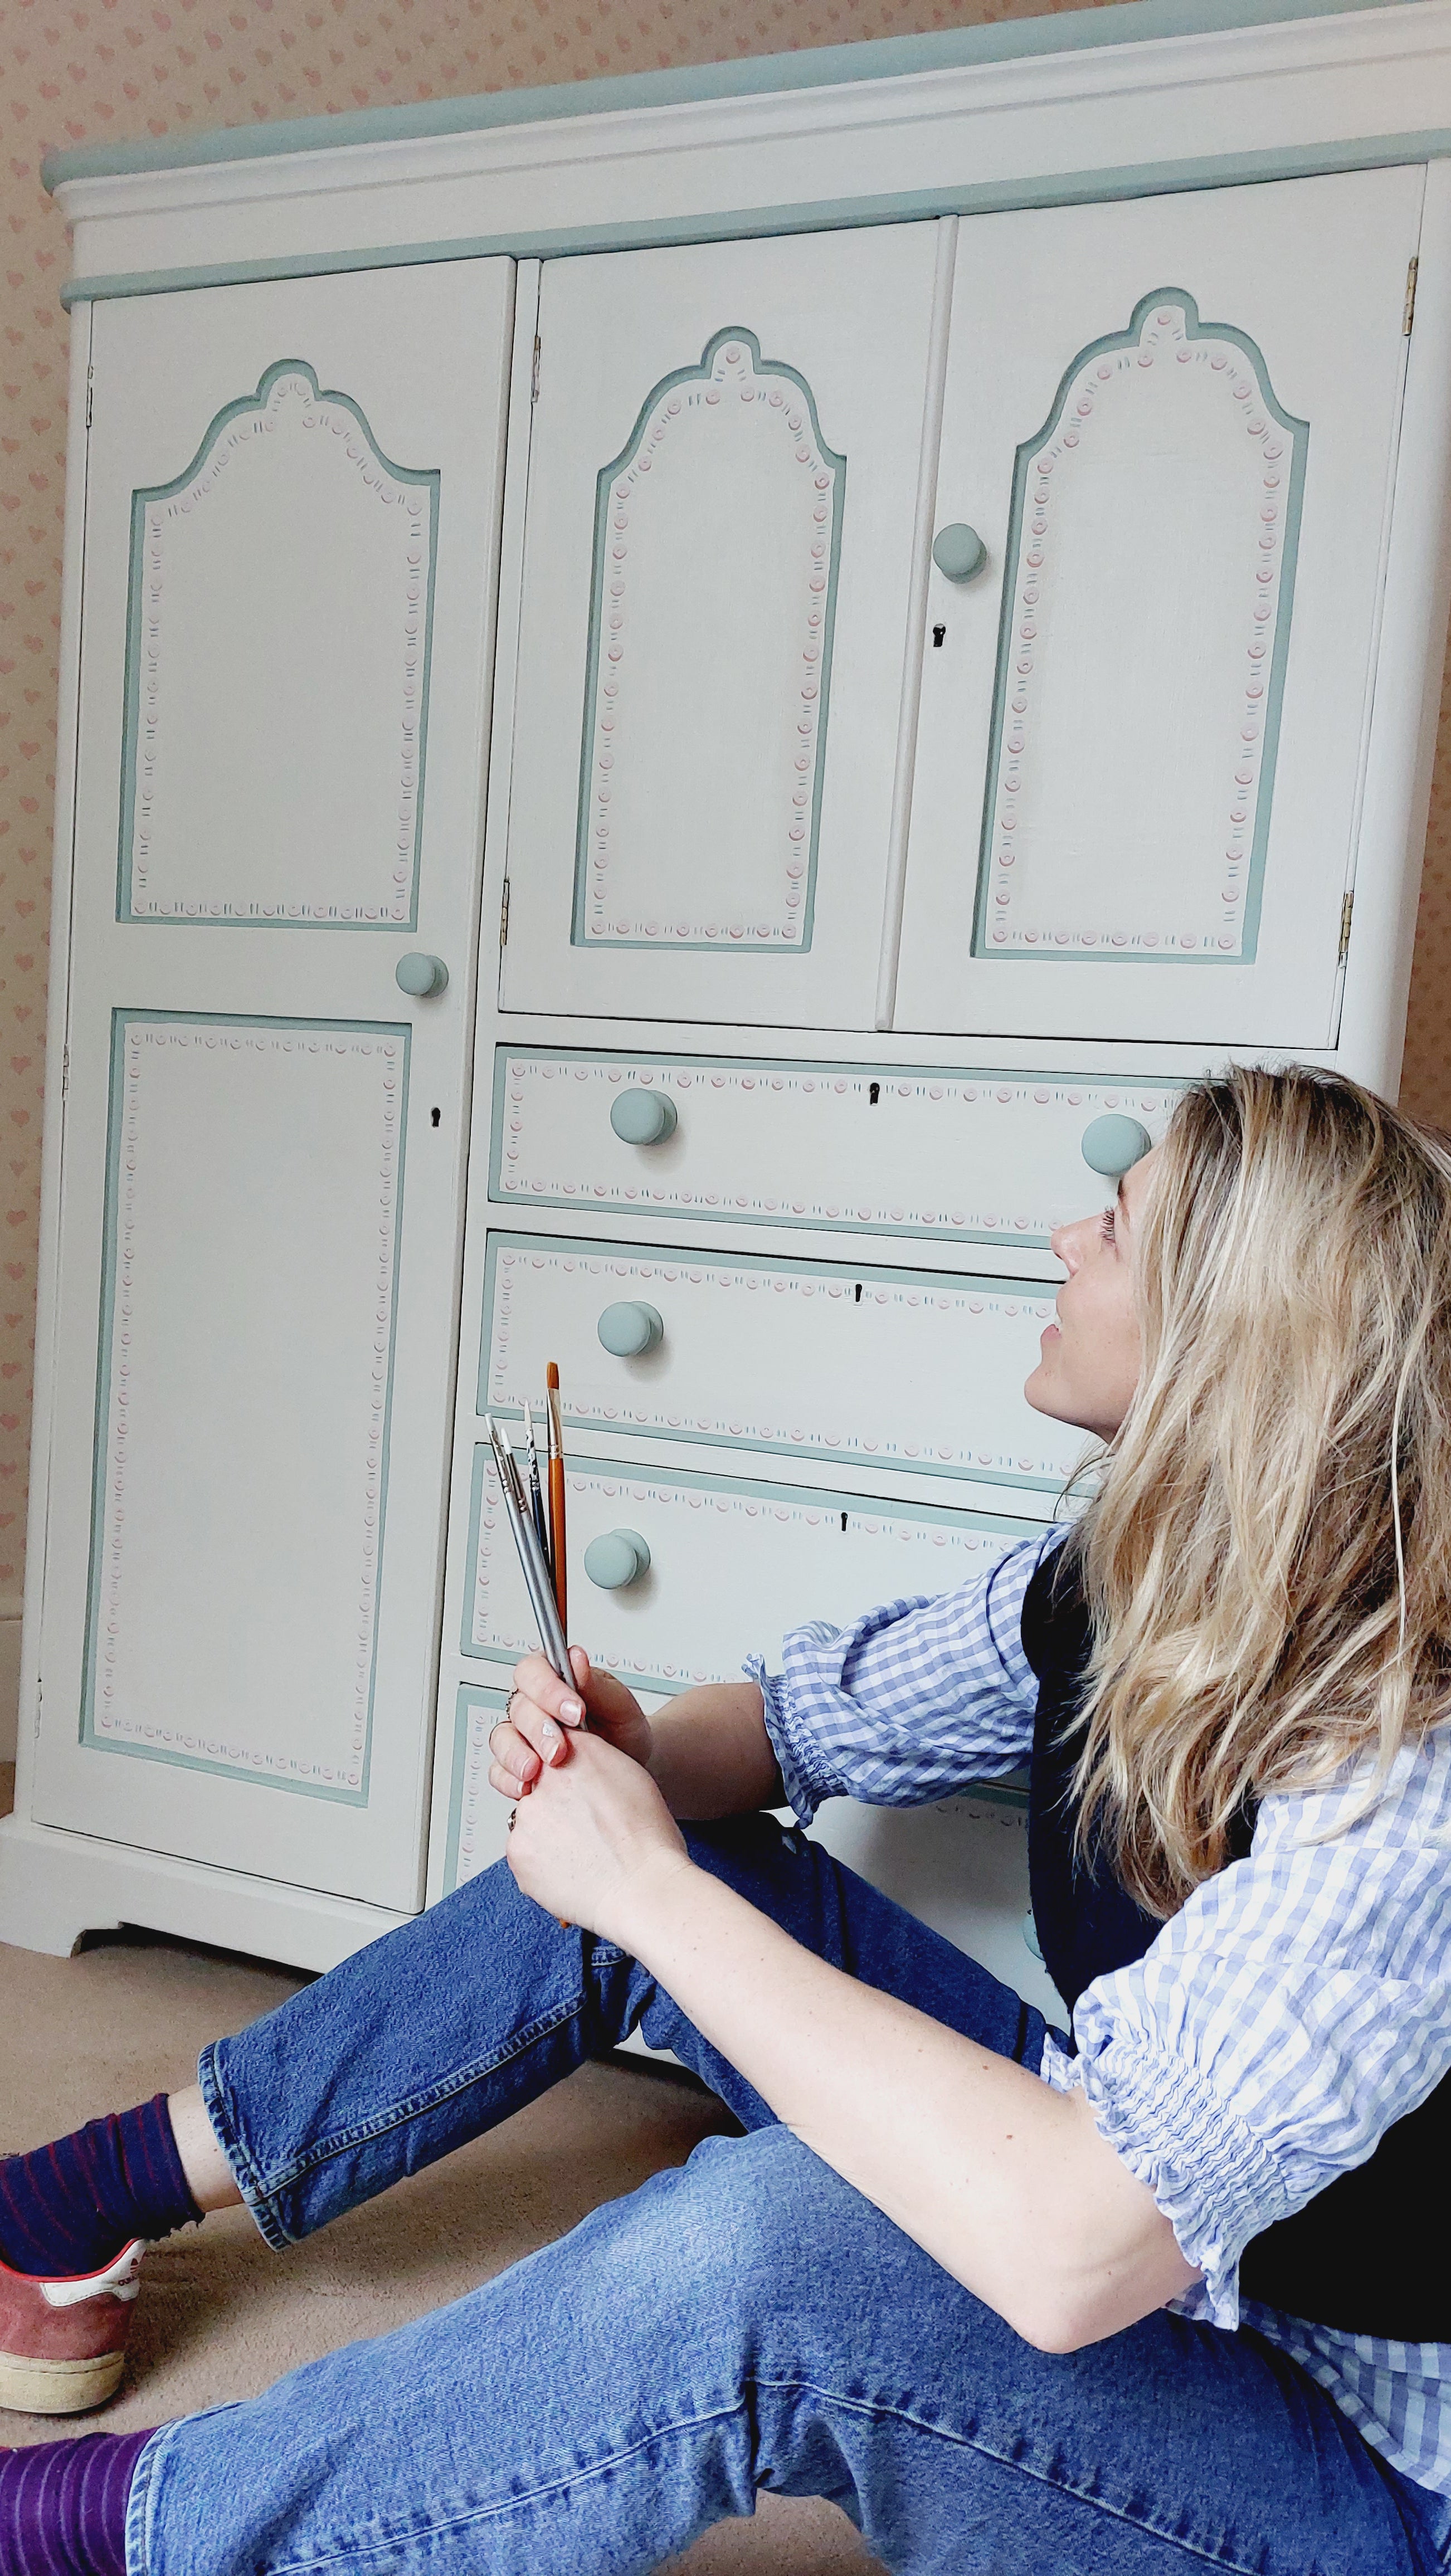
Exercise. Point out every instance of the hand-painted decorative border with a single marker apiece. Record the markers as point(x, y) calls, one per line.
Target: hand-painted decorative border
point(418, 490)
point(1167, 318)
point(794, 1083)
point(476, 1712)
point(641, 1414)
point(731, 356)
point(194, 1749)
point(673, 1485)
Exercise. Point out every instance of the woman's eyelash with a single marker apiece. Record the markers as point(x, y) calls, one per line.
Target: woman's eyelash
point(1106, 1225)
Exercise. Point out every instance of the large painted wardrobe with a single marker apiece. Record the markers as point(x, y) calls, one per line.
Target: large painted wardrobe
point(686, 704)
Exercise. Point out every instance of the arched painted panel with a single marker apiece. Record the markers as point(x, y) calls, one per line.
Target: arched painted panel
point(717, 540)
point(277, 684)
point(1147, 595)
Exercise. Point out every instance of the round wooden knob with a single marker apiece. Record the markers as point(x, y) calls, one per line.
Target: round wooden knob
point(643, 1117)
point(420, 975)
point(1113, 1144)
point(616, 1558)
point(959, 552)
point(631, 1328)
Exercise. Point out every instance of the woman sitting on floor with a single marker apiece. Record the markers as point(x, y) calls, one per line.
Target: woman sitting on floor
point(1159, 2294)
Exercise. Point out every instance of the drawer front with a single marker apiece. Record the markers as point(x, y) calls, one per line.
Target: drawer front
point(916, 1369)
point(966, 1157)
point(732, 1566)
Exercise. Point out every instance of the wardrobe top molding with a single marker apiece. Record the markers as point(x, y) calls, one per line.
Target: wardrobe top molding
point(1120, 101)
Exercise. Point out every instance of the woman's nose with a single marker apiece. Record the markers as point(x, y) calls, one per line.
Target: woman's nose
point(1066, 1244)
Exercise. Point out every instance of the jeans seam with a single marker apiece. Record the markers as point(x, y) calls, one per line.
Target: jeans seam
point(971, 2442)
point(265, 2189)
point(507, 2504)
point(720, 2414)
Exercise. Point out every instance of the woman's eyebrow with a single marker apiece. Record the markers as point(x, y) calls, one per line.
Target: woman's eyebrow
point(1120, 1200)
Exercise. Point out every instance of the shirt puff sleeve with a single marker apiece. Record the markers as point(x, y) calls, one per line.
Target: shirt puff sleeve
point(1297, 2005)
point(912, 1701)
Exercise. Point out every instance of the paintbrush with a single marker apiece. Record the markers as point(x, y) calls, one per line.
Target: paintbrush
point(556, 1493)
point(536, 1497)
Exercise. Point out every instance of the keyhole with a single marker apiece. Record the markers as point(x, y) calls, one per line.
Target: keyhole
point(939, 635)
point(874, 1094)
point(435, 1117)
point(843, 1520)
point(858, 1295)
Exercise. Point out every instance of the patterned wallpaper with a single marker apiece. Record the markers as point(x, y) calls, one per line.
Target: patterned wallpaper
point(76, 70)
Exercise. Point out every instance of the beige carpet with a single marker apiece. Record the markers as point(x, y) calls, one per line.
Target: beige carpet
point(220, 2317)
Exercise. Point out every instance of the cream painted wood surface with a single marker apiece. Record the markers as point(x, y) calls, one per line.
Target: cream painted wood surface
point(723, 481)
point(733, 1564)
point(284, 690)
point(957, 1155)
point(1137, 794)
point(921, 1370)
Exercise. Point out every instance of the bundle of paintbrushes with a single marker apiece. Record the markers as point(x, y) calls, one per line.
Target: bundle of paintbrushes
point(541, 1553)
point(540, 1543)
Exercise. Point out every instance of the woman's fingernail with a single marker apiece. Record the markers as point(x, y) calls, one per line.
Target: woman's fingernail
point(571, 1710)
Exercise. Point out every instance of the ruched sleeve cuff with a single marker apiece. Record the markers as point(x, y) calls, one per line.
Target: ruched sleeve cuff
point(804, 1788)
point(1210, 2175)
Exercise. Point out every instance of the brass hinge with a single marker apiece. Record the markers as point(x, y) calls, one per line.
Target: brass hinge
point(65, 1071)
point(1346, 909)
point(90, 372)
point(1409, 315)
point(534, 371)
point(504, 917)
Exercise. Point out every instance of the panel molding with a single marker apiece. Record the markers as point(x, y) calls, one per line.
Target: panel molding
point(156, 507)
point(1163, 321)
point(476, 1712)
point(102, 1729)
point(731, 361)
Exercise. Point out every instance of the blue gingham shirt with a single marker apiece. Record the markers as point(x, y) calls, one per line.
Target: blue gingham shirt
point(1296, 2006)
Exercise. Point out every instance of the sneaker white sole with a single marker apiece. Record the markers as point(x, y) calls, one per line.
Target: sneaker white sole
point(30, 2387)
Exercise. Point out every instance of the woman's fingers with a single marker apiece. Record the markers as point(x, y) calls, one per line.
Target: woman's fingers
point(537, 1681)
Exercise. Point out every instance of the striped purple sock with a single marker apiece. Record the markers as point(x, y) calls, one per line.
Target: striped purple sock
point(70, 2207)
point(63, 2505)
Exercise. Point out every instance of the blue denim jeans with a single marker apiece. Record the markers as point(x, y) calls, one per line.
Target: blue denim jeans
point(748, 2321)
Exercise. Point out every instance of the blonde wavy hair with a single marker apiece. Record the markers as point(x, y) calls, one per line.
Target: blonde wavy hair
point(1268, 1559)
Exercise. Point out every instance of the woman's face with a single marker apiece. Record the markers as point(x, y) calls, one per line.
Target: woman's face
point(1090, 1362)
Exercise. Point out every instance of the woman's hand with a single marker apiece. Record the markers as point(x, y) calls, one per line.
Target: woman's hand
point(543, 1716)
point(593, 1836)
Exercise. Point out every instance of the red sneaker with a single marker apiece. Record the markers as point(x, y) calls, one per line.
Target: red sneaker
point(63, 2342)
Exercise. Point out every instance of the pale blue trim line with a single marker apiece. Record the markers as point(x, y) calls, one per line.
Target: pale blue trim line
point(470, 1696)
point(813, 1222)
point(817, 1497)
point(121, 1020)
point(889, 1456)
point(425, 476)
point(1298, 433)
point(580, 934)
point(827, 214)
point(814, 67)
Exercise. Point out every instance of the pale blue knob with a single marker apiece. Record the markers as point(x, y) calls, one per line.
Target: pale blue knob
point(420, 975)
point(1113, 1144)
point(615, 1559)
point(958, 552)
point(643, 1117)
point(631, 1328)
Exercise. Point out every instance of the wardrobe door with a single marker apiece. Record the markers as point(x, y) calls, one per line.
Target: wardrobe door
point(723, 479)
point(1173, 425)
point(286, 631)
